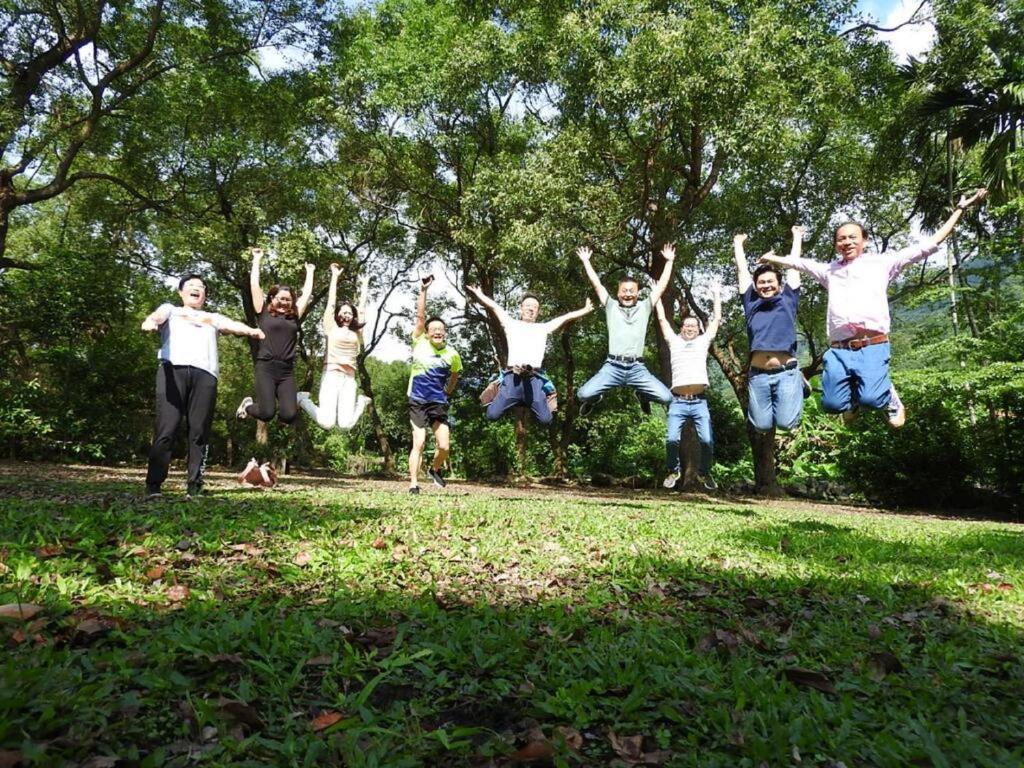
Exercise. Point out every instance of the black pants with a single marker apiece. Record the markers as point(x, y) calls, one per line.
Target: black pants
point(275, 380)
point(181, 390)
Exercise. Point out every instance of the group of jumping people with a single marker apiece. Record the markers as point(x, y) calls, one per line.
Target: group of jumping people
point(855, 376)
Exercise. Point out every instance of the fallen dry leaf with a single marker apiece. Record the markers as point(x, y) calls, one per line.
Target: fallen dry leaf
point(19, 611)
point(629, 748)
point(177, 593)
point(101, 761)
point(882, 664)
point(573, 738)
point(378, 543)
point(48, 551)
point(325, 720)
point(240, 711)
point(537, 747)
point(302, 558)
point(320, 661)
point(92, 626)
point(156, 572)
point(807, 678)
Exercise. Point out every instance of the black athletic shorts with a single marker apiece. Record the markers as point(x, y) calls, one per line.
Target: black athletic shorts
point(425, 414)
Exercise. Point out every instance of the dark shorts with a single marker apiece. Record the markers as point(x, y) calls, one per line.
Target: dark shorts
point(424, 415)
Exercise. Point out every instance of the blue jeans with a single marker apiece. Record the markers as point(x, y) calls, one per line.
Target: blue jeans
point(680, 412)
point(520, 389)
point(856, 377)
point(618, 374)
point(775, 399)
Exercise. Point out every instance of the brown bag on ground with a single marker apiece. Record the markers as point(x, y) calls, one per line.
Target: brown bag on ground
point(257, 475)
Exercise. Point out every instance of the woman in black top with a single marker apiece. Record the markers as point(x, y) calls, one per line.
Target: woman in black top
point(279, 318)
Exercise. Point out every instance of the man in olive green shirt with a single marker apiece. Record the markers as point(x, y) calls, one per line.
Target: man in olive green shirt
point(627, 318)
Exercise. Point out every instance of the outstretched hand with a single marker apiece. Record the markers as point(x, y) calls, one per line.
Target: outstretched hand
point(588, 305)
point(149, 324)
point(584, 252)
point(425, 281)
point(257, 253)
point(798, 231)
point(310, 267)
point(739, 239)
point(335, 269)
point(767, 258)
point(966, 202)
point(668, 252)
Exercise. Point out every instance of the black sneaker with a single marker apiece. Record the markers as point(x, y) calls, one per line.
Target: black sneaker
point(588, 405)
point(153, 492)
point(645, 404)
point(437, 477)
point(194, 490)
point(414, 489)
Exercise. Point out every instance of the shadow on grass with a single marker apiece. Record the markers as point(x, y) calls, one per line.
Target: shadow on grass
point(455, 662)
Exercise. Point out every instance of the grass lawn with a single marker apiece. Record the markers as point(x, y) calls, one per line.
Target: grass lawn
point(342, 622)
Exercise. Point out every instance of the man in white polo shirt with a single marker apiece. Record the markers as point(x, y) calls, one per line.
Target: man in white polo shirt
point(186, 380)
point(526, 340)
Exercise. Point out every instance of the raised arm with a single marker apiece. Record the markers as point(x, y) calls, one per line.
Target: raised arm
point(716, 318)
point(602, 293)
point(484, 299)
point(307, 292)
point(568, 317)
point(255, 289)
point(965, 202)
point(421, 307)
point(795, 251)
point(815, 269)
point(156, 318)
point(743, 278)
point(332, 300)
point(666, 327)
point(668, 253)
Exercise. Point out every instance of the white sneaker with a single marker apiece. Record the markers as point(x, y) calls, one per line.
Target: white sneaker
point(895, 411)
point(301, 397)
point(671, 480)
point(708, 482)
point(246, 402)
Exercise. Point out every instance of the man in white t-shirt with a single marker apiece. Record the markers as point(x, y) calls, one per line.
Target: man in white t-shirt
point(186, 380)
point(689, 354)
point(526, 340)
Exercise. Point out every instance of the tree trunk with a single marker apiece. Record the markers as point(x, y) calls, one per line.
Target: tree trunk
point(262, 433)
point(386, 452)
point(762, 446)
point(567, 403)
point(522, 457)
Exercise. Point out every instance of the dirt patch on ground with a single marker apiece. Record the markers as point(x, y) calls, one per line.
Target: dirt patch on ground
point(220, 479)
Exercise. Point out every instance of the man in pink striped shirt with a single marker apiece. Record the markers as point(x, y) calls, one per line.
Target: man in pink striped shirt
point(857, 365)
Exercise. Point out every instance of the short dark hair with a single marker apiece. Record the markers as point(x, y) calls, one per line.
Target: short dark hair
point(629, 279)
point(190, 276)
point(684, 318)
point(763, 268)
point(529, 296)
point(435, 319)
point(847, 223)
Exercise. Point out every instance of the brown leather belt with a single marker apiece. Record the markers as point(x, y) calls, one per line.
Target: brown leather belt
point(866, 341)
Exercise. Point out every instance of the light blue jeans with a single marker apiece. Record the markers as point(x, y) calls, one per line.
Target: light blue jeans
point(775, 399)
point(680, 412)
point(617, 374)
point(856, 377)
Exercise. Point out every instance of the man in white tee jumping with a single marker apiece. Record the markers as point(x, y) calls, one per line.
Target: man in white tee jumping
point(526, 340)
point(186, 380)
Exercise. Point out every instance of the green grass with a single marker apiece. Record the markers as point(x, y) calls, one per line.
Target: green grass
point(457, 627)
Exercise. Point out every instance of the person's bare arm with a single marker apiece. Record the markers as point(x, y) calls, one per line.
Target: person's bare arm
point(421, 307)
point(666, 327)
point(568, 317)
point(668, 253)
point(486, 300)
point(236, 328)
point(307, 292)
point(585, 254)
point(743, 279)
point(255, 289)
point(795, 251)
point(332, 300)
point(453, 381)
point(965, 202)
point(156, 318)
point(716, 319)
